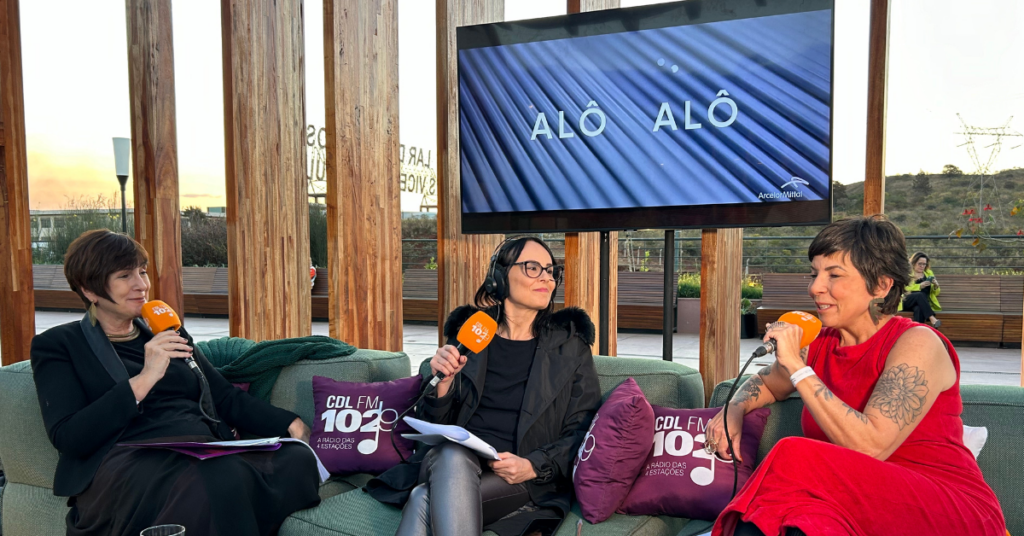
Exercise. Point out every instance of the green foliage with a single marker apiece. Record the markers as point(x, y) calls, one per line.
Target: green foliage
point(432, 265)
point(318, 235)
point(417, 254)
point(86, 214)
point(689, 285)
point(746, 307)
point(951, 170)
point(751, 289)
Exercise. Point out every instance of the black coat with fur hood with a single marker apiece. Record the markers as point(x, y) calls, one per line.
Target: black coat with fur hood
point(561, 396)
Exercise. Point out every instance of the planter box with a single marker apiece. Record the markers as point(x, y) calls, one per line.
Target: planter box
point(688, 315)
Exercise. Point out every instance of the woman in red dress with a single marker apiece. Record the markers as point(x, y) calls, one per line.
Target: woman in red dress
point(883, 451)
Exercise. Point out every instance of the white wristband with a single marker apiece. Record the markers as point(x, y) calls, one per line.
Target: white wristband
point(801, 374)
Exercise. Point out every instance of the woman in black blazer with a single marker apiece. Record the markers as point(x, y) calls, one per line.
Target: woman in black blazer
point(108, 380)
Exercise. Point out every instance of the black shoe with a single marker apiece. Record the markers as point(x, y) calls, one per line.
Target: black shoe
point(937, 324)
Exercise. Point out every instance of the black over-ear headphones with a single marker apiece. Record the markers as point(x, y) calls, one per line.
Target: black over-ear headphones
point(496, 284)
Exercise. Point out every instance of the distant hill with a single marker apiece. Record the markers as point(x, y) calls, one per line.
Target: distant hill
point(935, 206)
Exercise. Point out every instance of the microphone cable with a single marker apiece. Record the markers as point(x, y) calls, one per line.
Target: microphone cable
point(725, 421)
point(398, 419)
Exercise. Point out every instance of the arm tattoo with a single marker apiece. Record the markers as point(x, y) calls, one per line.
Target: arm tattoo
point(825, 392)
point(750, 390)
point(850, 411)
point(900, 394)
point(765, 370)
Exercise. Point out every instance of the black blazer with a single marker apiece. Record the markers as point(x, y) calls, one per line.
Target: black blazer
point(87, 402)
point(562, 395)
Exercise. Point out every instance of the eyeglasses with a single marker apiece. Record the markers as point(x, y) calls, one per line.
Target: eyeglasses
point(533, 269)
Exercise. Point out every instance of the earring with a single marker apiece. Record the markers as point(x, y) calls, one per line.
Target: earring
point(875, 309)
point(92, 313)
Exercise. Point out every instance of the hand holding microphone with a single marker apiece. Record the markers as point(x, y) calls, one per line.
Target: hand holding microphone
point(475, 334)
point(787, 337)
point(166, 343)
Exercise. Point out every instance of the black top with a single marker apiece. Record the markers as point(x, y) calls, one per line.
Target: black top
point(508, 367)
point(171, 408)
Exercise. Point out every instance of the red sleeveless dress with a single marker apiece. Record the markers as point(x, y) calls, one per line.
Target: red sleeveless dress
point(929, 485)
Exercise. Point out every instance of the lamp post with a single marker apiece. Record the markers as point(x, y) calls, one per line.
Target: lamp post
point(122, 150)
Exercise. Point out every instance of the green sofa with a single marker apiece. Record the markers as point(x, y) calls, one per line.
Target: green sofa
point(28, 507)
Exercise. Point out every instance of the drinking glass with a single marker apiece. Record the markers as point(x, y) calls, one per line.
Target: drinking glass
point(164, 530)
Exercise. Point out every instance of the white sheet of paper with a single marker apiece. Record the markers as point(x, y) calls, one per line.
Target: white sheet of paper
point(265, 441)
point(432, 434)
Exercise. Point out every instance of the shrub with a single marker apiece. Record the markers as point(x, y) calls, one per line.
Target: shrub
point(689, 286)
point(751, 289)
point(84, 215)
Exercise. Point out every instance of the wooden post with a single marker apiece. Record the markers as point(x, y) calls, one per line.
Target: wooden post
point(155, 145)
point(265, 160)
point(462, 260)
point(878, 57)
point(17, 303)
point(364, 218)
point(582, 250)
point(721, 253)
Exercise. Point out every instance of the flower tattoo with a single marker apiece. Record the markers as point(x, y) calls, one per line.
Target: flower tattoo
point(900, 394)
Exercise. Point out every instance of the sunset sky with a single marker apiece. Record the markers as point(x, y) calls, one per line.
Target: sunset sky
point(944, 58)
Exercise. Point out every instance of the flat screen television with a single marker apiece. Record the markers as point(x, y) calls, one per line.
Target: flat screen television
point(695, 114)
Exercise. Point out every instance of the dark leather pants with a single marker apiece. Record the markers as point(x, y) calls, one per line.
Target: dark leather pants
point(456, 496)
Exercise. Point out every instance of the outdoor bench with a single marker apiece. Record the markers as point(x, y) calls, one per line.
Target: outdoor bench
point(975, 308)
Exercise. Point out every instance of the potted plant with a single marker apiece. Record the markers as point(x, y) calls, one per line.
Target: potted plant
point(688, 304)
point(748, 319)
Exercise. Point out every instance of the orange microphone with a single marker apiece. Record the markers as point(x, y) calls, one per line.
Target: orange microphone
point(160, 317)
point(473, 337)
point(809, 323)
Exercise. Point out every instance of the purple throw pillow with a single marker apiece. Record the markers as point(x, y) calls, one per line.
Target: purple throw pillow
point(613, 451)
point(678, 478)
point(354, 422)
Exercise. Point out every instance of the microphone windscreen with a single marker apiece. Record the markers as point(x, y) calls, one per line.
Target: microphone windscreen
point(159, 316)
point(809, 323)
point(477, 332)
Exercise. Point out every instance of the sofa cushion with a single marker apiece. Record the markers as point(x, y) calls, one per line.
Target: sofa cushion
point(679, 478)
point(28, 456)
point(293, 390)
point(620, 525)
point(353, 432)
point(613, 452)
point(30, 510)
point(353, 513)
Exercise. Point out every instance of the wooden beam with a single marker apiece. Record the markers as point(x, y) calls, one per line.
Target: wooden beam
point(364, 215)
point(17, 301)
point(878, 57)
point(155, 145)
point(583, 250)
point(265, 161)
point(721, 275)
point(462, 260)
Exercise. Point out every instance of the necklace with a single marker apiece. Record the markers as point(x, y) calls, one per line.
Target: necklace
point(130, 336)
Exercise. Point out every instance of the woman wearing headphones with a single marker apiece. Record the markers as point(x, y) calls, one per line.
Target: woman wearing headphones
point(531, 394)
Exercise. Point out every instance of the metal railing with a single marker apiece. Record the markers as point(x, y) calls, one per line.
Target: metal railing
point(781, 254)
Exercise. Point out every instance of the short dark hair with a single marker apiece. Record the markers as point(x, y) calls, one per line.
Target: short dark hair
point(876, 248)
point(96, 254)
point(507, 254)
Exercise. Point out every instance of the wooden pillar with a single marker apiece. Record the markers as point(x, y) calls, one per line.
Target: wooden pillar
point(878, 57)
point(462, 260)
point(721, 274)
point(17, 303)
point(364, 217)
point(155, 145)
point(583, 250)
point(265, 160)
